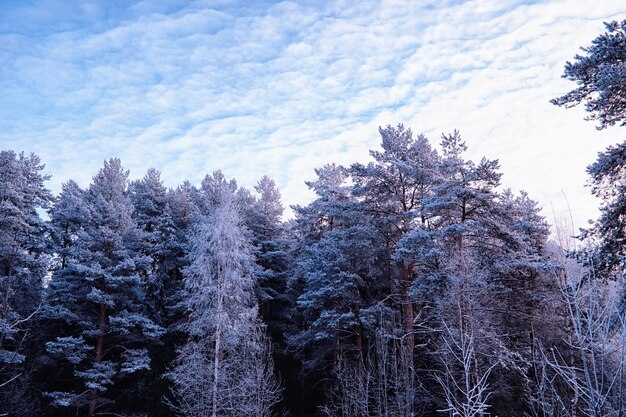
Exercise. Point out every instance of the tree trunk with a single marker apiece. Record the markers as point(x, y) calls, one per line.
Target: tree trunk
point(7, 292)
point(99, 348)
point(336, 352)
point(358, 340)
point(407, 307)
point(217, 351)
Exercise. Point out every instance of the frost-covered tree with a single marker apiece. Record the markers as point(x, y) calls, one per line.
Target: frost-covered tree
point(601, 77)
point(600, 73)
point(608, 178)
point(351, 283)
point(333, 271)
point(465, 385)
point(335, 276)
point(163, 217)
point(225, 367)
point(69, 215)
point(392, 190)
point(272, 246)
point(479, 251)
point(382, 383)
point(23, 263)
point(208, 196)
point(271, 249)
point(268, 203)
point(492, 246)
point(327, 211)
point(317, 228)
point(96, 295)
point(582, 374)
point(594, 371)
point(149, 199)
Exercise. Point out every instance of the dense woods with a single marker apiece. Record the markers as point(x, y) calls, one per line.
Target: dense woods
point(412, 285)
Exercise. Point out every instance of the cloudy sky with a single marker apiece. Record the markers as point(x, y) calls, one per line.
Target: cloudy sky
point(279, 88)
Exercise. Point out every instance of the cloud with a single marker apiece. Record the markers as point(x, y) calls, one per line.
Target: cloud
point(258, 88)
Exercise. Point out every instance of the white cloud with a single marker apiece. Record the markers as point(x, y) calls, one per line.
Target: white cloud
point(278, 89)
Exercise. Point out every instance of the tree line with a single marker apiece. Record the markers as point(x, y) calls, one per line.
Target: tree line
point(412, 285)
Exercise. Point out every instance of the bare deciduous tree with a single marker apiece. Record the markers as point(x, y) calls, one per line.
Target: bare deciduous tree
point(465, 385)
point(382, 384)
point(594, 373)
point(225, 368)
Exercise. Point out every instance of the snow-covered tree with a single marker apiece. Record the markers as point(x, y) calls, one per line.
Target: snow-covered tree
point(148, 197)
point(96, 295)
point(380, 384)
point(208, 196)
point(335, 279)
point(600, 74)
point(332, 272)
point(479, 251)
point(465, 385)
point(271, 245)
point(608, 179)
point(601, 77)
point(69, 215)
point(163, 217)
point(23, 262)
point(225, 367)
point(392, 190)
point(584, 374)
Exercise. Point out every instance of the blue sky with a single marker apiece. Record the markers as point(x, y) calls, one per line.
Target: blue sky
point(279, 88)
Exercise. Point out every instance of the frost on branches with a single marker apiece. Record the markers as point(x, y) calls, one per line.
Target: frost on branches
point(225, 368)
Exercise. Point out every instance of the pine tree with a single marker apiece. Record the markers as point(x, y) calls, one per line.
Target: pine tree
point(600, 76)
point(608, 179)
point(490, 254)
point(98, 293)
point(599, 73)
point(392, 190)
point(336, 282)
point(324, 267)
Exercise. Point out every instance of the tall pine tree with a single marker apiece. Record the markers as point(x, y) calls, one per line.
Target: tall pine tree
point(97, 293)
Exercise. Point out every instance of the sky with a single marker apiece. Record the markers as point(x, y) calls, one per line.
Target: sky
point(279, 88)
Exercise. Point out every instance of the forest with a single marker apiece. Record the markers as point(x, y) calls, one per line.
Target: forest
point(412, 285)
